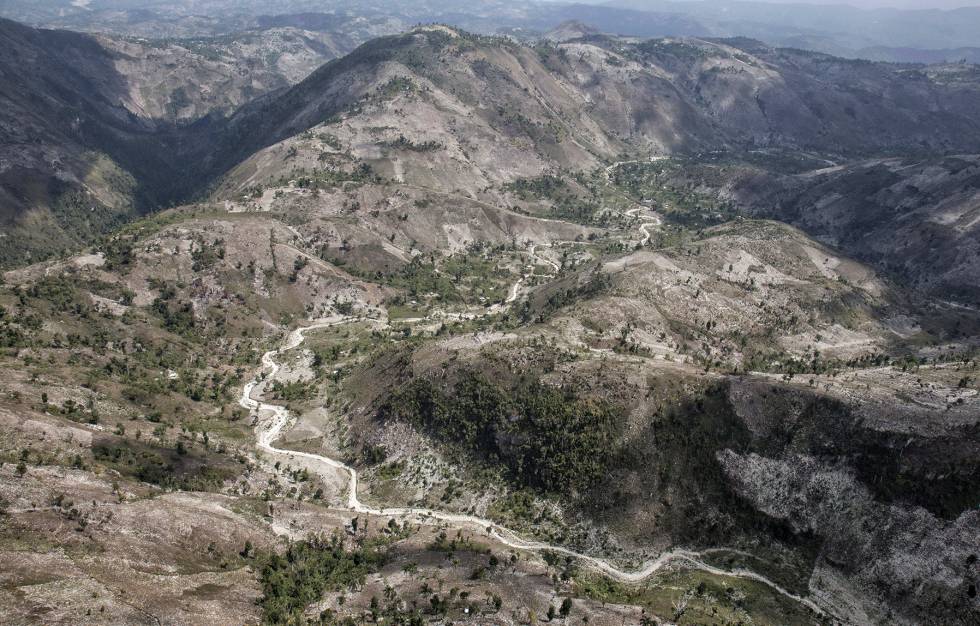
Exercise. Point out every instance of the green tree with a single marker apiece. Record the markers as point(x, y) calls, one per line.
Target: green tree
point(566, 607)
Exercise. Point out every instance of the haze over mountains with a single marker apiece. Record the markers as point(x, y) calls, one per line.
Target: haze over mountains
point(312, 314)
point(911, 34)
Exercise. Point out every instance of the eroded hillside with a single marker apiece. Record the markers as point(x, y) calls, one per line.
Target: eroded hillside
point(453, 336)
point(102, 135)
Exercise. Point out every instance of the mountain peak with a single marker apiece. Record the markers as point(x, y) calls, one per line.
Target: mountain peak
point(437, 28)
point(570, 30)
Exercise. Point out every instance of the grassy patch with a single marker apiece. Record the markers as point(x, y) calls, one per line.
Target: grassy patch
point(404, 311)
point(171, 468)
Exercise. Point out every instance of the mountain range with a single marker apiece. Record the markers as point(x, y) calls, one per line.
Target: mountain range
point(312, 323)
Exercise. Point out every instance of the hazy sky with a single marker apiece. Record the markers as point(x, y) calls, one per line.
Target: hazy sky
point(899, 4)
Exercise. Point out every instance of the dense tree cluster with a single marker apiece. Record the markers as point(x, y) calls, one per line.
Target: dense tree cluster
point(308, 569)
point(547, 438)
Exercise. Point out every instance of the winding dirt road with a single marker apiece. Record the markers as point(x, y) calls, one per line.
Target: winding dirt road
point(270, 428)
point(654, 220)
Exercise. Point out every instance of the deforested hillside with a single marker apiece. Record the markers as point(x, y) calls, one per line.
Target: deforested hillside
point(601, 96)
point(434, 103)
point(913, 218)
point(445, 110)
point(460, 329)
point(183, 80)
point(696, 401)
point(89, 122)
point(76, 161)
point(918, 220)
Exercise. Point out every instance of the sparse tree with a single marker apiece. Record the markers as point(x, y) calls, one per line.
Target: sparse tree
point(566, 607)
point(497, 602)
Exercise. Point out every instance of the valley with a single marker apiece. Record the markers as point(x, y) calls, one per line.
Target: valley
point(457, 328)
point(504, 536)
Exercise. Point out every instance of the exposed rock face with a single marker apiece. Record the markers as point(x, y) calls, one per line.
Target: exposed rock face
point(887, 503)
point(922, 566)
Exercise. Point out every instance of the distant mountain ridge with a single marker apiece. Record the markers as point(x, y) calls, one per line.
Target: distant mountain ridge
point(916, 55)
point(667, 96)
point(842, 26)
point(572, 105)
point(831, 28)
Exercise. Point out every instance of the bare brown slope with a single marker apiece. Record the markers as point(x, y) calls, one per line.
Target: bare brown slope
point(918, 220)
